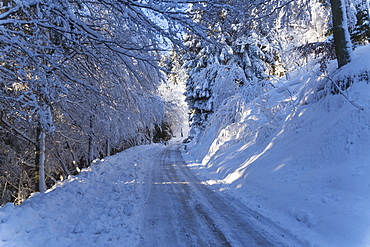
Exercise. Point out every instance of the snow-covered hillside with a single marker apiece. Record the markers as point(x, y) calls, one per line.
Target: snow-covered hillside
point(297, 155)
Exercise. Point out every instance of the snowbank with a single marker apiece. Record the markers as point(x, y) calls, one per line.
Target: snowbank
point(297, 155)
point(96, 208)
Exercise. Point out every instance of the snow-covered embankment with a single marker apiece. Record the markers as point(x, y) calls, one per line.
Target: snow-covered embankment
point(98, 207)
point(296, 155)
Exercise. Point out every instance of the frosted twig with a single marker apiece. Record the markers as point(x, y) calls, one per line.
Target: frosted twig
point(344, 95)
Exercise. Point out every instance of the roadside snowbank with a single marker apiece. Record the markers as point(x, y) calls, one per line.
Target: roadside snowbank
point(297, 156)
point(98, 207)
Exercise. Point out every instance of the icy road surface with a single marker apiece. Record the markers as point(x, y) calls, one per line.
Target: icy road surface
point(181, 211)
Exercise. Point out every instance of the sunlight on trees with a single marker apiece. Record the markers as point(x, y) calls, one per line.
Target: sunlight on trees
point(85, 79)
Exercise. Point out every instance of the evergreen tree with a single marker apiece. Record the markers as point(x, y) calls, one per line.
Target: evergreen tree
point(240, 61)
point(360, 34)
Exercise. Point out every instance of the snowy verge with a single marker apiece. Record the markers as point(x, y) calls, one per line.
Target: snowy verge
point(297, 155)
point(98, 207)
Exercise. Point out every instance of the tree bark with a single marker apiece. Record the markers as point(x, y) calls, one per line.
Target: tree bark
point(40, 160)
point(108, 147)
point(74, 158)
point(342, 41)
point(91, 141)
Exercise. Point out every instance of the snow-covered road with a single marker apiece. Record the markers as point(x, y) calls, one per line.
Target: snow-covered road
point(180, 210)
point(144, 196)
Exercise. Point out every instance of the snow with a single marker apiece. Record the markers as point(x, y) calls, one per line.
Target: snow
point(345, 27)
point(95, 208)
point(297, 156)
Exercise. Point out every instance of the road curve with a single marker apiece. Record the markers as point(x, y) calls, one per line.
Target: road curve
point(181, 211)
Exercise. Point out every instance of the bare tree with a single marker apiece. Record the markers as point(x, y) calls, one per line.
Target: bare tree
point(62, 57)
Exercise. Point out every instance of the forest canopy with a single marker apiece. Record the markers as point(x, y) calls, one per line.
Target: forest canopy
point(81, 79)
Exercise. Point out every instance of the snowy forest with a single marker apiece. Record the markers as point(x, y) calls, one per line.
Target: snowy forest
point(82, 80)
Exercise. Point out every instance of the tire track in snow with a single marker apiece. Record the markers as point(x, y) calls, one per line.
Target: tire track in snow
point(169, 219)
point(181, 211)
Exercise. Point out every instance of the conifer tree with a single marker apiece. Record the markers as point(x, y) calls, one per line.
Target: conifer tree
point(240, 61)
point(360, 34)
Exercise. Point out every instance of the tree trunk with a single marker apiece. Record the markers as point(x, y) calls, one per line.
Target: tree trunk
point(91, 141)
point(342, 41)
point(74, 158)
point(40, 160)
point(108, 147)
point(64, 166)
